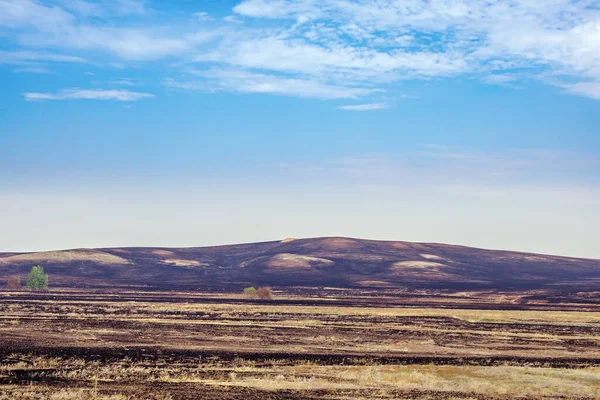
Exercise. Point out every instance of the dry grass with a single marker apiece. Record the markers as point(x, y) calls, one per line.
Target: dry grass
point(502, 381)
point(417, 264)
point(65, 256)
point(33, 393)
point(184, 263)
point(314, 351)
point(499, 316)
point(286, 260)
point(254, 327)
point(496, 381)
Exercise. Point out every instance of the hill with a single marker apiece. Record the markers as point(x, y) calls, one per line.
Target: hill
point(317, 262)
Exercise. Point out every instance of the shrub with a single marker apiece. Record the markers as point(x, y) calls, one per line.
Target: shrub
point(250, 292)
point(264, 293)
point(37, 279)
point(14, 283)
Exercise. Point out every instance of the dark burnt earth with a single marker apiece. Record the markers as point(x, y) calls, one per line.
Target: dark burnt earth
point(319, 262)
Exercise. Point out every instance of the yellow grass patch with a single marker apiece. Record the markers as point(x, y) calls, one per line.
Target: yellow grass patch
point(184, 263)
point(375, 283)
point(417, 264)
point(431, 257)
point(287, 260)
point(162, 253)
point(66, 256)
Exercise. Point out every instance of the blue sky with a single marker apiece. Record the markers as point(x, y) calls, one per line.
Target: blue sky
point(181, 123)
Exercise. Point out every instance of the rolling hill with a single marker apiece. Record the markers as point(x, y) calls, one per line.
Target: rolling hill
point(317, 262)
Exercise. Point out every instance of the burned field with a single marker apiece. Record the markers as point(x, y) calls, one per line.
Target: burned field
point(305, 344)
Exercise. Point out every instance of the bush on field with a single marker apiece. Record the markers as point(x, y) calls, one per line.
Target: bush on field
point(264, 293)
point(13, 283)
point(250, 292)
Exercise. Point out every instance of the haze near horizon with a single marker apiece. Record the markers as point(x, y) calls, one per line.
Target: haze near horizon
point(170, 124)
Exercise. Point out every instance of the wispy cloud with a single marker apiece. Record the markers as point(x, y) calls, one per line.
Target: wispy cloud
point(232, 19)
point(125, 43)
point(337, 46)
point(439, 38)
point(589, 89)
point(128, 7)
point(27, 57)
point(35, 62)
point(434, 165)
point(81, 7)
point(365, 107)
point(33, 70)
point(37, 25)
point(242, 81)
point(124, 82)
point(104, 8)
point(203, 16)
point(82, 94)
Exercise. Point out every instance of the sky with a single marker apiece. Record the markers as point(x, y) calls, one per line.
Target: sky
point(191, 123)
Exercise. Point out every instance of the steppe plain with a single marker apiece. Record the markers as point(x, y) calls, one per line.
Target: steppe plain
point(416, 329)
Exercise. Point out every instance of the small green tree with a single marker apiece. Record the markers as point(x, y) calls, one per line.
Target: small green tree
point(37, 279)
point(250, 292)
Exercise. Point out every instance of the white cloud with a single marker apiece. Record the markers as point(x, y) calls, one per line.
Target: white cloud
point(129, 44)
point(104, 8)
point(279, 54)
point(440, 37)
point(366, 107)
point(242, 81)
point(37, 25)
point(35, 62)
point(33, 70)
point(271, 9)
point(232, 19)
point(28, 13)
point(337, 43)
point(438, 165)
point(203, 16)
point(26, 57)
point(127, 7)
point(589, 89)
point(82, 94)
point(81, 7)
point(500, 79)
point(124, 82)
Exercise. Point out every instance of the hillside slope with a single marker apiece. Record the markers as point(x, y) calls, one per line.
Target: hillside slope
point(337, 262)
